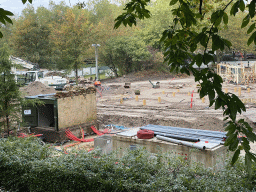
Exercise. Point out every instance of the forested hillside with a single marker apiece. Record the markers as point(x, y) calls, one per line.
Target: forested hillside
point(60, 37)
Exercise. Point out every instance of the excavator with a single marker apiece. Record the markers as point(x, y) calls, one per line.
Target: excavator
point(56, 81)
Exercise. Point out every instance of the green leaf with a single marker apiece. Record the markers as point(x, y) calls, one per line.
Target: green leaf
point(234, 8)
point(1, 34)
point(252, 9)
point(233, 109)
point(225, 18)
point(227, 43)
point(173, 2)
point(215, 42)
point(251, 28)
point(231, 128)
point(211, 94)
point(214, 17)
point(203, 39)
point(242, 6)
point(245, 21)
point(252, 156)
point(218, 103)
point(235, 156)
point(248, 163)
point(199, 60)
point(193, 47)
point(238, 102)
point(251, 38)
point(246, 144)
point(207, 58)
point(234, 145)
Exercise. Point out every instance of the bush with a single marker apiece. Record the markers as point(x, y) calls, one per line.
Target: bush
point(26, 165)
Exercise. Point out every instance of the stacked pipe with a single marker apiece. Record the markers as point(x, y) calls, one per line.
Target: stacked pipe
point(187, 134)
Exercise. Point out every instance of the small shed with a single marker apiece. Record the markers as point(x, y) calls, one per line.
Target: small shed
point(60, 111)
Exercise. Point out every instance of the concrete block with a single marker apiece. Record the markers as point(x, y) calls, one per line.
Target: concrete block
point(214, 158)
point(104, 142)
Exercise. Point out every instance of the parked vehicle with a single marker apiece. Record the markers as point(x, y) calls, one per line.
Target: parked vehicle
point(57, 82)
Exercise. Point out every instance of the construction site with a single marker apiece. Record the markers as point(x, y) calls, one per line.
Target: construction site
point(151, 111)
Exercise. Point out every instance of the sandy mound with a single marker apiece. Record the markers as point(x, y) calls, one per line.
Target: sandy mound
point(36, 88)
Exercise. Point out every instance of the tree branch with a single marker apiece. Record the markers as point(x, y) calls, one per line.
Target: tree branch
point(200, 7)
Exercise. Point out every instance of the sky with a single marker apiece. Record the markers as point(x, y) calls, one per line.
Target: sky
point(16, 6)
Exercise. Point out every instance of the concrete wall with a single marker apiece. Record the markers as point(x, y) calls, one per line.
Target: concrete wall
point(76, 110)
point(209, 158)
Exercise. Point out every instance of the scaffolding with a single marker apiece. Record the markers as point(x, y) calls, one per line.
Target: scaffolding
point(238, 74)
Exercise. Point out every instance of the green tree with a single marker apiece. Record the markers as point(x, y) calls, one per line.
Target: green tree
point(181, 40)
point(9, 92)
point(125, 54)
point(72, 39)
point(31, 37)
point(237, 35)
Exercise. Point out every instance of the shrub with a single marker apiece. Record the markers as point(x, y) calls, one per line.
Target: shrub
point(26, 165)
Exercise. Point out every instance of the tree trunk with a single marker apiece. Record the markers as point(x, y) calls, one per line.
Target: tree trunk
point(7, 125)
point(76, 69)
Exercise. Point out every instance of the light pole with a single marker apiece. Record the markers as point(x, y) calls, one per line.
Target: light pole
point(96, 59)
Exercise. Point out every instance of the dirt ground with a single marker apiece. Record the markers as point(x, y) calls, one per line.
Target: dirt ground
point(117, 105)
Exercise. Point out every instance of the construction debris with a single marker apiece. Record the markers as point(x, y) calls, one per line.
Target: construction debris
point(238, 74)
point(37, 88)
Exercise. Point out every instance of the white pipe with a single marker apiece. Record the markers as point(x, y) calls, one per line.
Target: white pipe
point(195, 145)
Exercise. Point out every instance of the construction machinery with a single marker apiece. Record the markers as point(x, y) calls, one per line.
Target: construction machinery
point(56, 81)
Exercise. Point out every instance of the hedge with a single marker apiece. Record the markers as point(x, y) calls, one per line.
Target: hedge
point(26, 165)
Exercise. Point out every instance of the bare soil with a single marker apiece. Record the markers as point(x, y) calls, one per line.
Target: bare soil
point(117, 105)
point(36, 88)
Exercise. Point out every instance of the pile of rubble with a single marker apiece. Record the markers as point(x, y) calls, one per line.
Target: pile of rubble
point(75, 92)
point(36, 88)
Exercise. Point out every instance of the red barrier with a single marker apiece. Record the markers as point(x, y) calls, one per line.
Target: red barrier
point(192, 94)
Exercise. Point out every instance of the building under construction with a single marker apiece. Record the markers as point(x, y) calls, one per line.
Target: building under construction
point(237, 73)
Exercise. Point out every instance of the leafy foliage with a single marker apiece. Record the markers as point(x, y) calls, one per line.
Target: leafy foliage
point(126, 54)
point(9, 92)
point(182, 39)
point(26, 165)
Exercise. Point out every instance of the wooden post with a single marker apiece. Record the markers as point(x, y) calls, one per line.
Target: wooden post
point(178, 90)
point(226, 90)
point(235, 89)
point(159, 99)
point(144, 102)
point(189, 94)
point(173, 94)
point(136, 98)
point(163, 92)
point(203, 99)
point(249, 90)
point(239, 91)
